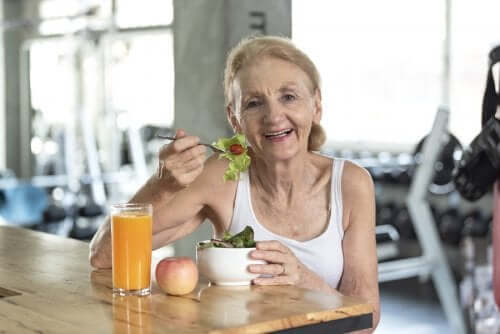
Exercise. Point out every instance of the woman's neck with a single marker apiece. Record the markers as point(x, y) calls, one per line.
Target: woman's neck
point(282, 179)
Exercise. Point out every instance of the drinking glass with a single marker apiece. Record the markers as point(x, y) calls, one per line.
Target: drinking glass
point(131, 234)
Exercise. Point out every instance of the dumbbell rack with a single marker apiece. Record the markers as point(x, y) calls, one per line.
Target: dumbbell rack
point(433, 261)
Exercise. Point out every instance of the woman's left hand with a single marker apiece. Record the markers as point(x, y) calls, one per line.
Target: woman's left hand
point(282, 264)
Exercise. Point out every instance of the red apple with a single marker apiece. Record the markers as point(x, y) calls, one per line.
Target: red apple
point(177, 275)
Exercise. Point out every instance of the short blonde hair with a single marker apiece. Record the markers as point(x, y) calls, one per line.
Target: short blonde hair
point(252, 48)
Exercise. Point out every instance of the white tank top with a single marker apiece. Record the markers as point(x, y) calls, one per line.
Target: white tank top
point(323, 255)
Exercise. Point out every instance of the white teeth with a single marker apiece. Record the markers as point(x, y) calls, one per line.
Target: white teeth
point(279, 133)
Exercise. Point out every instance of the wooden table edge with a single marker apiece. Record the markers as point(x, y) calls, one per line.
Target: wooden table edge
point(329, 321)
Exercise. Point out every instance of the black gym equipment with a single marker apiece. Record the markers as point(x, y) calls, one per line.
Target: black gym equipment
point(3, 199)
point(403, 223)
point(445, 164)
point(450, 226)
point(476, 224)
point(387, 213)
point(90, 210)
point(86, 220)
point(54, 214)
point(480, 164)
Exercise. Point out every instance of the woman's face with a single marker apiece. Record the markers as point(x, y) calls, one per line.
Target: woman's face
point(274, 106)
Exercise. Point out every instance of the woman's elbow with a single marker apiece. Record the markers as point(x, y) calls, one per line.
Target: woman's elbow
point(98, 261)
point(100, 247)
point(99, 255)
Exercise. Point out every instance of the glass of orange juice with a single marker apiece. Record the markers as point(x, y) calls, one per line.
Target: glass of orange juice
point(131, 234)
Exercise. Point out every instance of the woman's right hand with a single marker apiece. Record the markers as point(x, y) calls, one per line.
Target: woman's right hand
point(181, 161)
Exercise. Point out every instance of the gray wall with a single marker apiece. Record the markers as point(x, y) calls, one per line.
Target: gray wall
point(3, 138)
point(12, 10)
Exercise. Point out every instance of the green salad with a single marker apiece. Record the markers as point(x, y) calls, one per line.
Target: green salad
point(244, 239)
point(235, 150)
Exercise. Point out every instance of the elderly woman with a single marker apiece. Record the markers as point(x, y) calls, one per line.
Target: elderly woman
point(314, 215)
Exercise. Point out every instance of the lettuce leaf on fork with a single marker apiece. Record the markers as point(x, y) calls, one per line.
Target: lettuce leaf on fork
point(237, 162)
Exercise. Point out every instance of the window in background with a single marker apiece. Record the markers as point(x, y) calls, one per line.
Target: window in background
point(144, 13)
point(382, 67)
point(68, 16)
point(142, 78)
point(139, 65)
point(51, 59)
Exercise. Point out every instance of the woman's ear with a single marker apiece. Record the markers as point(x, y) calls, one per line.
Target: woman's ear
point(232, 119)
point(318, 107)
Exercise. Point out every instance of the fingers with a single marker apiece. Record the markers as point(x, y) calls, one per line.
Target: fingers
point(182, 160)
point(269, 256)
point(179, 160)
point(282, 265)
point(180, 133)
point(276, 280)
point(272, 245)
point(266, 269)
point(183, 173)
point(179, 145)
point(194, 163)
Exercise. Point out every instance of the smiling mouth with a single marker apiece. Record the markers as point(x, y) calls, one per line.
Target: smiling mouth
point(278, 134)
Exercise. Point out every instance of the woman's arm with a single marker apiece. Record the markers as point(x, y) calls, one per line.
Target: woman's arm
point(360, 277)
point(182, 162)
point(100, 245)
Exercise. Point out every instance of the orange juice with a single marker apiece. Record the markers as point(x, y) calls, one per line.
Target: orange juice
point(131, 252)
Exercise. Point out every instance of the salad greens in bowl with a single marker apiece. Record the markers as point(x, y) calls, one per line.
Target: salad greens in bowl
point(225, 261)
point(244, 239)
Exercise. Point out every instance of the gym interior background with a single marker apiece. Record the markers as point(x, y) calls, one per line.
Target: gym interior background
point(87, 84)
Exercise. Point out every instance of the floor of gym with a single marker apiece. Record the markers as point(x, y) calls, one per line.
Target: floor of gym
point(411, 307)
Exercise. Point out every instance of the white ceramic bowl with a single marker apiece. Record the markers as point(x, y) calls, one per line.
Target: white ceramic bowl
point(226, 266)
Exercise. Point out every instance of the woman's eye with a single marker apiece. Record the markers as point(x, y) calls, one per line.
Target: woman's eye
point(252, 104)
point(288, 97)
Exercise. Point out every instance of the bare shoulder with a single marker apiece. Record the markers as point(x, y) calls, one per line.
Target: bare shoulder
point(212, 177)
point(358, 194)
point(356, 180)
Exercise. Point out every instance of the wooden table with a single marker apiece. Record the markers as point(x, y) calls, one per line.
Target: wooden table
point(47, 285)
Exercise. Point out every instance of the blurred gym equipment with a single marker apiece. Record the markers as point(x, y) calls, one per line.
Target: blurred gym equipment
point(73, 172)
point(450, 226)
point(442, 182)
point(480, 164)
point(23, 204)
point(387, 238)
point(404, 224)
point(476, 224)
point(433, 261)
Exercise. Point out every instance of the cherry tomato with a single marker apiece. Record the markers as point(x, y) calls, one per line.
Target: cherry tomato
point(236, 149)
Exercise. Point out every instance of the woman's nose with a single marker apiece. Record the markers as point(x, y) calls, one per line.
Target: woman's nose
point(274, 112)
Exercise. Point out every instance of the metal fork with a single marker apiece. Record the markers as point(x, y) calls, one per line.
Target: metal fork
point(212, 147)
